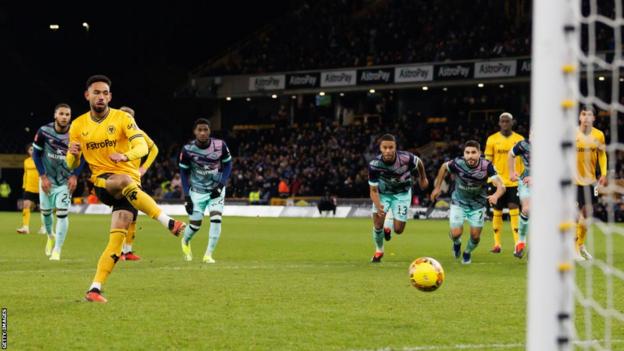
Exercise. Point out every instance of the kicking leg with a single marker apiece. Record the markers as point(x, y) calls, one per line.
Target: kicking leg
point(121, 185)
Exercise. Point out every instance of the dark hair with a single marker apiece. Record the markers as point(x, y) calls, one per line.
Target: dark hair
point(588, 108)
point(62, 104)
point(201, 121)
point(387, 137)
point(472, 143)
point(99, 78)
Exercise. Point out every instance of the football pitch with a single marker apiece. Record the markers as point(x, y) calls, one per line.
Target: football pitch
point(278, 284)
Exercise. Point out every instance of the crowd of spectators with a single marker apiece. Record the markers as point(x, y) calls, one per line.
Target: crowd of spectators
point(347, 33)
point(355, 33)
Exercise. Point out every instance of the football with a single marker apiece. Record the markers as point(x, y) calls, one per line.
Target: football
point(426, 274)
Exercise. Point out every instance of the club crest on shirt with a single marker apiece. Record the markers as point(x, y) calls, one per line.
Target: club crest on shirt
point(111, 129)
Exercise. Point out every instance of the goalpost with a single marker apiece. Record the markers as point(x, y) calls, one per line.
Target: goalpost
point(573, 305)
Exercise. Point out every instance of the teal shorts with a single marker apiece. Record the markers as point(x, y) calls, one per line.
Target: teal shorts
point(524, 192)
point(398, 203)
point(459, 214)
point(201, 202)
point(58, 198)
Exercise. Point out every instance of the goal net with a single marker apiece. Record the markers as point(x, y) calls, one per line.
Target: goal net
point(576, 303)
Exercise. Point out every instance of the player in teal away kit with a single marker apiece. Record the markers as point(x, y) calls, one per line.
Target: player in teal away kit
point(390, 179)
point(205, 166)
point(56, 181)
point(469, 199)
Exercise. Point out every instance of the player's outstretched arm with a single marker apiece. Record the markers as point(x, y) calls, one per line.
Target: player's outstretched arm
point(185, 175)
point(138, 148)
point(500, 190)
point(24, 176)
point(73, 155)
point(602, 161)
point(151, 155)
point(38, 159)
point(373, 182)
point(374, 195)
point(226, 172)
point(74, 151)
point(511, 164)
point(437, 184)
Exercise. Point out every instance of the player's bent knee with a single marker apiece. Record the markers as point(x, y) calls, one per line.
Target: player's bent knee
point(46, 212)
point(215, 218)
point(196, 223)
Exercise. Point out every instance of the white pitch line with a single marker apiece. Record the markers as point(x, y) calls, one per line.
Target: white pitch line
point(476, 346)
point(451, 347)
point(274, 265)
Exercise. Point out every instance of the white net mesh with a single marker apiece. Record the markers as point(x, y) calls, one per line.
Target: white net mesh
point(599, 287)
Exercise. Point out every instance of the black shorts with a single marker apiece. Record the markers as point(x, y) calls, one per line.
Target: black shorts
point(582, 194)
point(34, 197)
point(510, 196)
point(108, 199)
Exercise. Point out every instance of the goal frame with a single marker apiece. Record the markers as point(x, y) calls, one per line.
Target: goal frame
point(554, 113)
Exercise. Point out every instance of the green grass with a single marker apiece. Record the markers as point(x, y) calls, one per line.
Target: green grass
point(278, 284)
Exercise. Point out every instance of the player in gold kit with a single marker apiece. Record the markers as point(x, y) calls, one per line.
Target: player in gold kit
point(590, 153)
point(110, 142)
point(497, 150)
point(30, 184)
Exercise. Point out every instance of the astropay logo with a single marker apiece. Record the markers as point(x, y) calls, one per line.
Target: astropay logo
point(306, 80)
point(408, 74)
point(454, 71)
point(374, 76)
point(337, 78)
point(94, 145)
point(492, 69)
point(275, 82)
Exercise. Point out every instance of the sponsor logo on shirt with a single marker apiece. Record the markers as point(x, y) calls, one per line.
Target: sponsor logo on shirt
point(94, 145)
